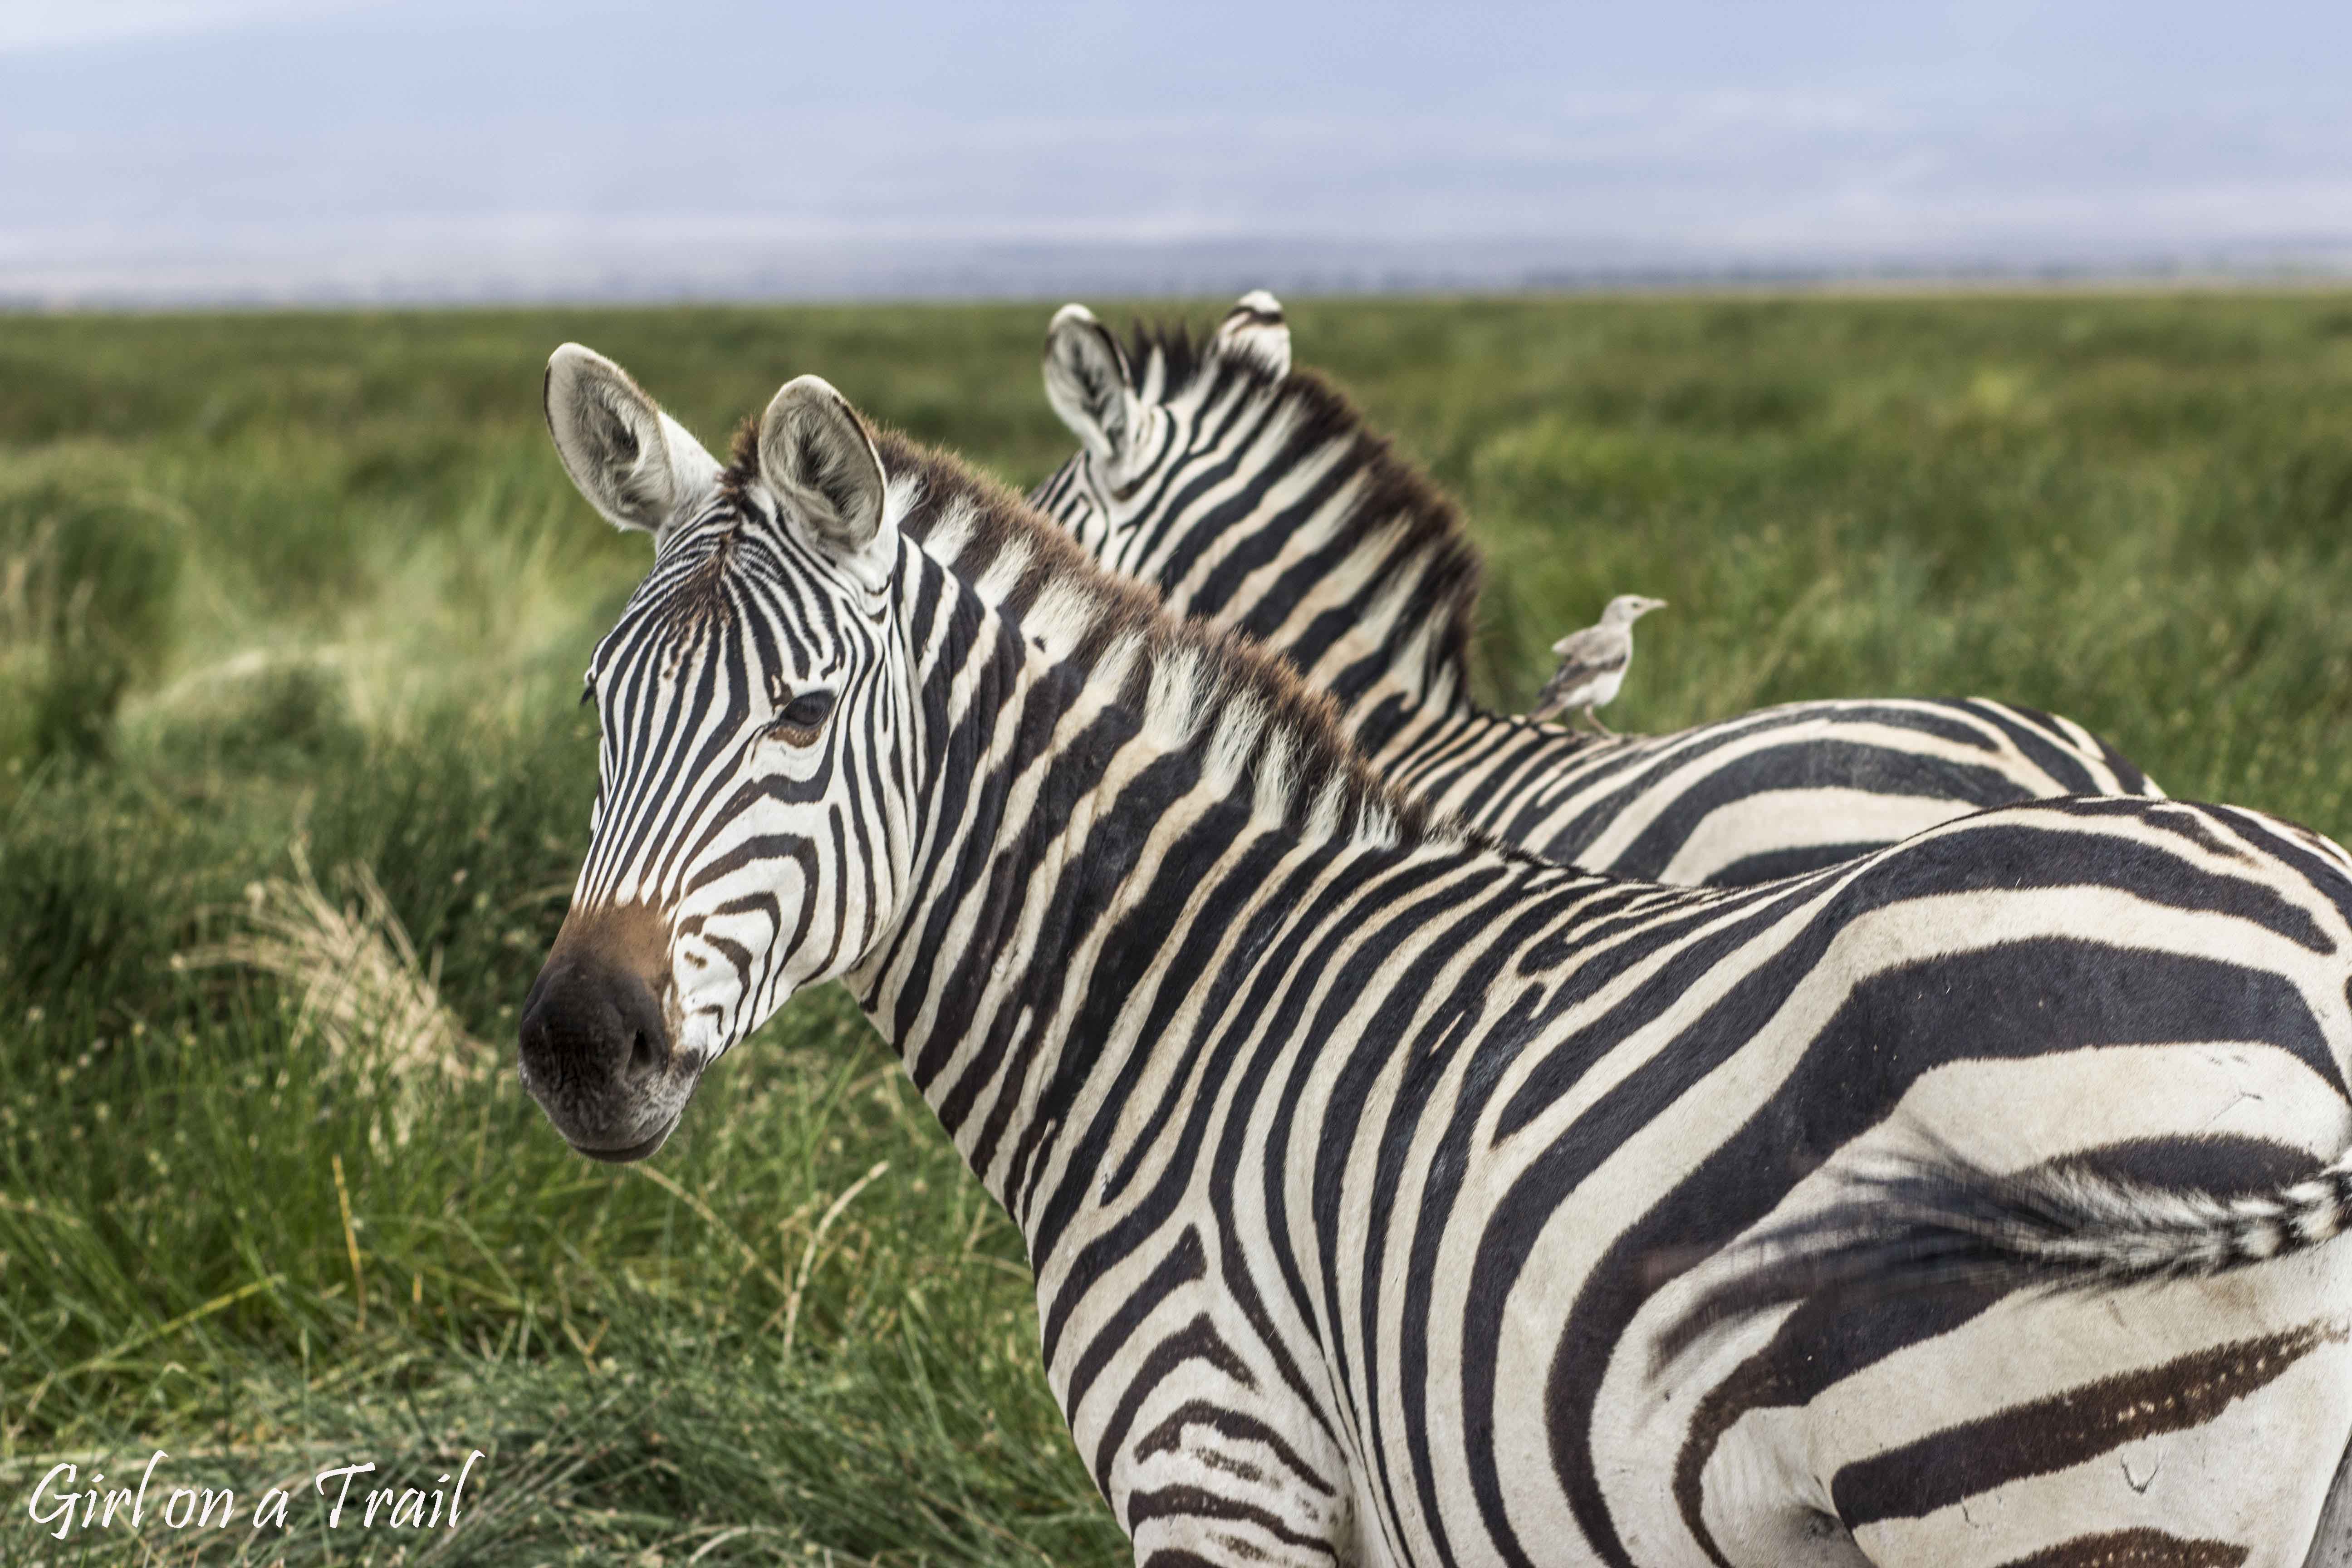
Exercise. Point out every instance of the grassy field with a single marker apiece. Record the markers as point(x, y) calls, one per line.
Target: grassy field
point(292, 786)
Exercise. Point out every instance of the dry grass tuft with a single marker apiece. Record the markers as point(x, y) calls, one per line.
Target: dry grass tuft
point(357, 981)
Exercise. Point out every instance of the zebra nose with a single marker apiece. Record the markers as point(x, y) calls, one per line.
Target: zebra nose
point(593, 1044)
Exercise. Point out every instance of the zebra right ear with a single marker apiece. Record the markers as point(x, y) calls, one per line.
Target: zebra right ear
point(816, 454)
point(635, 464)
point(1256, 329)
point(1086, 382)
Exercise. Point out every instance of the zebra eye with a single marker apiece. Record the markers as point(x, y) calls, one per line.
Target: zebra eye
point(806, 711)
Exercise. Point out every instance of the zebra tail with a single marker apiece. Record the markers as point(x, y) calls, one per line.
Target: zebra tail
point(1924, 1224)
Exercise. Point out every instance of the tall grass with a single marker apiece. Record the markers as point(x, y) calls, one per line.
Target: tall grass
point(292, 613)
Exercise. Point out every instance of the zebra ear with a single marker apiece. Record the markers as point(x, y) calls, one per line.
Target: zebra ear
point(635, 464)
point(1254, 328)
point(1087, 381)
point(814, 453)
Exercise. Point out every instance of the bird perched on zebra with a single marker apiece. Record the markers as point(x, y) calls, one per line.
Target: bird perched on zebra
point(1371, 1173)
point(1592, 663)
point(1253, 497)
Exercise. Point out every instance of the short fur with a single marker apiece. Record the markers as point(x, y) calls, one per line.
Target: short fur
point(1431, 527)
point(1259, 502)
point(1362, 1169)
point(1116, 617)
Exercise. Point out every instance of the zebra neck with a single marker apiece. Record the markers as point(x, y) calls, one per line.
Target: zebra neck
point(1274, 512)
point(1060, 837)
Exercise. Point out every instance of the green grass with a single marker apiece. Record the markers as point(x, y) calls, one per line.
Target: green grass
point(279, 590)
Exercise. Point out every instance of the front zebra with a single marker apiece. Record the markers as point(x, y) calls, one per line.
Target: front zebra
point(1253, 497)
point(1368, 1171)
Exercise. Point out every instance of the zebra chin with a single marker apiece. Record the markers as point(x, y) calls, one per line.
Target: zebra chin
point(598, 1051)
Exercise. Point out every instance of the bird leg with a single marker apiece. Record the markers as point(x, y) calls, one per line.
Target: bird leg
point(1598, 727)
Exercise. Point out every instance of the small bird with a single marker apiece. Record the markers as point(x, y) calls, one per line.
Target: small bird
point(1592, 663)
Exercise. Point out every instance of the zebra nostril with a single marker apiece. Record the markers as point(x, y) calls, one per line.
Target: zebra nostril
point(645, 1053)
point(593, 1031)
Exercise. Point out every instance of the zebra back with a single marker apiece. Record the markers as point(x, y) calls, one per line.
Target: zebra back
point(1255, 497)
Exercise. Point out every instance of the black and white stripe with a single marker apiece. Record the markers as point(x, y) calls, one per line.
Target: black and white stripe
point(1373, 1175)
point(1253, 497)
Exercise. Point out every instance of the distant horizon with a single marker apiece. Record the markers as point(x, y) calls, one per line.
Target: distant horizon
point(1048, 273)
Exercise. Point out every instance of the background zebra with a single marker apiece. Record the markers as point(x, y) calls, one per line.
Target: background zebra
point(1368, 1170)
point(1252, 496)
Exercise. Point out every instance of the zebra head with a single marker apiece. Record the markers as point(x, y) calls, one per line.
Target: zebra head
point(1142, 424)
point(748, 837)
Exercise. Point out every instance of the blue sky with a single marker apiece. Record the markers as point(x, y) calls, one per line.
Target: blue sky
point(269, 148)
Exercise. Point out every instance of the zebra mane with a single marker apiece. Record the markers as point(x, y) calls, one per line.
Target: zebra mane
point(1196, 688)
point(1396, 525)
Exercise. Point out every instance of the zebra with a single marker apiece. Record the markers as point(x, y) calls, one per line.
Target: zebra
point(1253, 496)
point(1372, 1171)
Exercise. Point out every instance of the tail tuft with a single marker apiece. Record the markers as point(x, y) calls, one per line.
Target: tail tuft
point(1934, 1222)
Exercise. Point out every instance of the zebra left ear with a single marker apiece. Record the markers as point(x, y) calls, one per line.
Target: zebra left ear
point(815, 454)
point(1255, 328)
point(1086, 382)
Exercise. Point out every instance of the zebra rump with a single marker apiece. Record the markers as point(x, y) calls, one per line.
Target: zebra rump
point(1938, 1221)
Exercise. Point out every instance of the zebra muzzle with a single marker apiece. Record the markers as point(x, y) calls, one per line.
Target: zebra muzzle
point(596, 1053)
